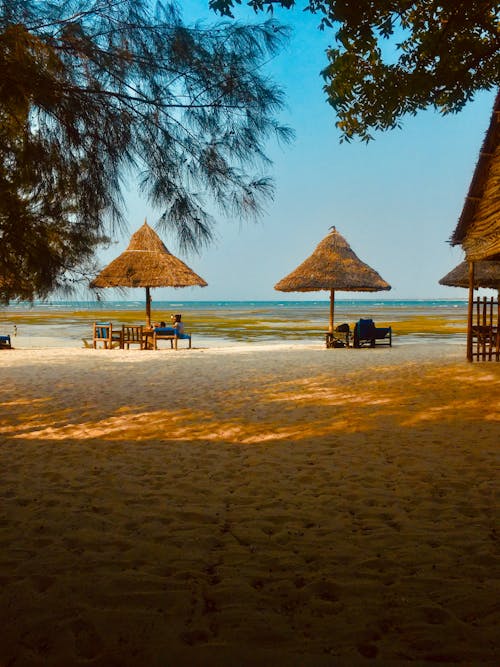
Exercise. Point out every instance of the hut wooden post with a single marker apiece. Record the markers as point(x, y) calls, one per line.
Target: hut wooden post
point(148, 308)
point(332, 309)
point(470, 311)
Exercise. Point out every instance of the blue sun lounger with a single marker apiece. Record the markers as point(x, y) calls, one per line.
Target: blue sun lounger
point(5, 342)
point(366, 333)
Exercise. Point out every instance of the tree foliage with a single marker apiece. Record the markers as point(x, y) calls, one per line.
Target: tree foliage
point(93, 94)
point(394, 57)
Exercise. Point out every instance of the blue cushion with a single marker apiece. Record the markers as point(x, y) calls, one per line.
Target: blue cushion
point(165, 331)
point(170, 331)
point(381, 332)
point(102, 329)
point(5, 339)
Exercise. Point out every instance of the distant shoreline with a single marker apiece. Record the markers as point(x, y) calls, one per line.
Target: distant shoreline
point(119, 304)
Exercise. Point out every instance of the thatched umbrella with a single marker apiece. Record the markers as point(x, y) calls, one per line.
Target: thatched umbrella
point(478, 229)
point(147, 263)
point(333, 266)
point(486, 274)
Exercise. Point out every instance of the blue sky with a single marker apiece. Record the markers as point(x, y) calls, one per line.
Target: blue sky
point(396, 200)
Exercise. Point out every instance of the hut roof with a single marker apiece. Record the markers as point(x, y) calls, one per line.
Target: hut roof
point(478, 229)
point(333, 265)
point(486, 274)
point(147, 263)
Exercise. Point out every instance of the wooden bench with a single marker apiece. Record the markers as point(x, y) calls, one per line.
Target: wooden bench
point(167, 334)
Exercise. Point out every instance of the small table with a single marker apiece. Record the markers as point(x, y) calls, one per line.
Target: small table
point(147, 339)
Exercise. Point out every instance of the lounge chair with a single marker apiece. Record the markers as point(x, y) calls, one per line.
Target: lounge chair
point(366, 333)
point(168, 333)
point(5, 343)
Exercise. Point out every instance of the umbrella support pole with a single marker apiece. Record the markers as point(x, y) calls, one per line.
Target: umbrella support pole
point(330, 336)
point(332, 309)
point(148, 308)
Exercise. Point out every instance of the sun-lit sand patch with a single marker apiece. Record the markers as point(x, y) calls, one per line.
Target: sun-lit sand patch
point(262, 505)
point(22, 402)
point(181, 425)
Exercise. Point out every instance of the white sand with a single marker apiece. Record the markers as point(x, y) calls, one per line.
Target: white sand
point(249, 505)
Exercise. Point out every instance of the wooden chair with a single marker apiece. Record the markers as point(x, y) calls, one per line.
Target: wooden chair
point(366, 333)
point(132, 335)
point(103, 333)
point(340, 337)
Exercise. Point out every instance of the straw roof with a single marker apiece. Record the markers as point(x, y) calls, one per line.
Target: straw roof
point(147, 263)
point(333, 266)
point(478, 229)
point(486, 274)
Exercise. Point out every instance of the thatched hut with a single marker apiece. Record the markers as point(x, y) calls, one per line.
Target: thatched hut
point(478, 228)
point(333, 266)
point(147, 263)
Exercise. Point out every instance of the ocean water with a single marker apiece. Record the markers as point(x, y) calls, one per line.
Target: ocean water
point(349, 304)
point(55, 323)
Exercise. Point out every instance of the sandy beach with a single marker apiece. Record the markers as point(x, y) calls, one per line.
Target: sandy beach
point(249, 505)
